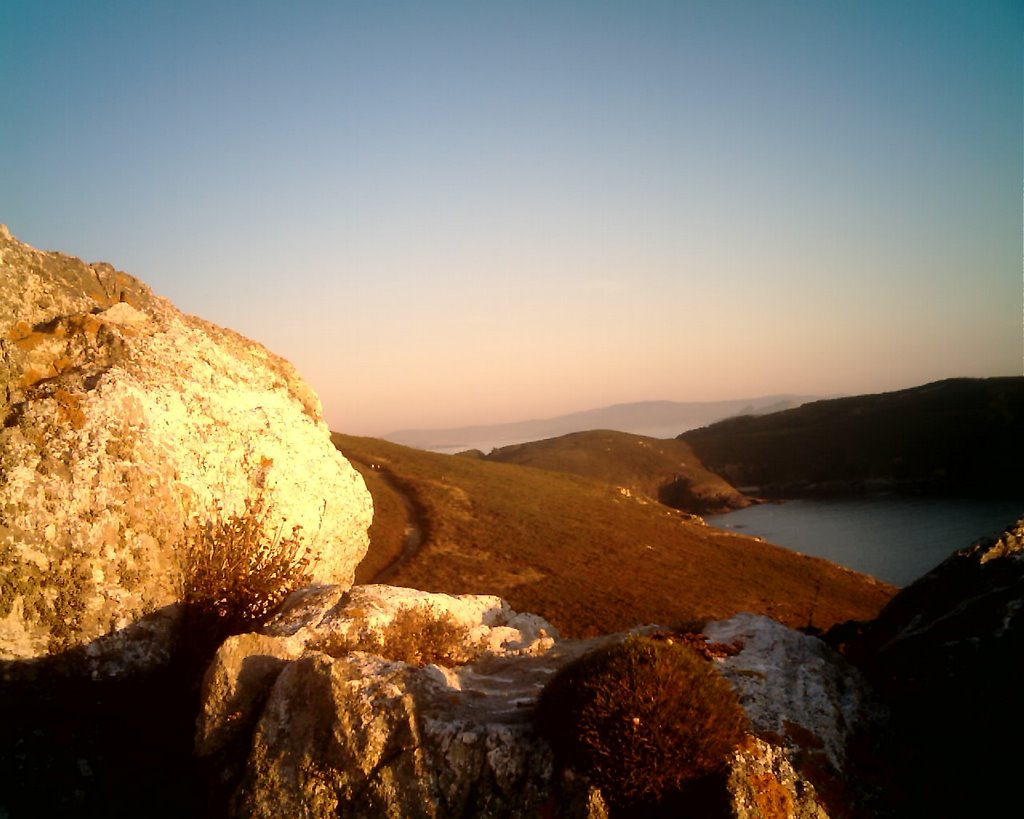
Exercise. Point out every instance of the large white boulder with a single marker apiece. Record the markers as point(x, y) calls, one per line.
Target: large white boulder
point(121, 421)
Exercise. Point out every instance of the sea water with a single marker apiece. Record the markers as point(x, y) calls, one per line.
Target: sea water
point(894, 539)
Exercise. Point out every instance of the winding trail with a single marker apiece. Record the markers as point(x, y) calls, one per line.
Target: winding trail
point(413, 538)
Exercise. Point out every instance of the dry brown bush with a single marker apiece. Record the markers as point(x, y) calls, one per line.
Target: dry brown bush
point(233, 575)
point(643, 719)
point(415, 636)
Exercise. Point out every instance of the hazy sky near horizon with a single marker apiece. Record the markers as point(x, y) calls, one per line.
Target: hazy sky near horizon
point(446, 213)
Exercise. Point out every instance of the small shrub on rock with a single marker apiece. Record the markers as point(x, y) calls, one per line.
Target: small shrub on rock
point(233, 576)
point(420, 637)
point(415, 636)
point(642, 718)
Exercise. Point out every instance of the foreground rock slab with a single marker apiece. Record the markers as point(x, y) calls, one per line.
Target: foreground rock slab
point(312, 718)
point(367, 735)
point(122, 420)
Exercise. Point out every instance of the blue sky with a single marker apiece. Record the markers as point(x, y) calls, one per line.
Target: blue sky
point(451, 213)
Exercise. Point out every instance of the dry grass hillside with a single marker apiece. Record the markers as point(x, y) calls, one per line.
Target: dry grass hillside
point(664, 470)
point(578, 551)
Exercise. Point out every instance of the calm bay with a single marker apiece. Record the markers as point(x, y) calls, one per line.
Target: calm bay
point(892, 538)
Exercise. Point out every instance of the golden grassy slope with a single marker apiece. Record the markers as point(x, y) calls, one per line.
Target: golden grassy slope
point(579, 552)
point(665, 470)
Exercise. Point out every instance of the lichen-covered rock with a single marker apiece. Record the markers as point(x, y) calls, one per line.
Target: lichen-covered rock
point(805, 700)
point(794, 686)
point(122, 421)
point(763, 784)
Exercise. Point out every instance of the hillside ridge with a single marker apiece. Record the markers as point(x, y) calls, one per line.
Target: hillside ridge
point(959, 436)
point(665, 470)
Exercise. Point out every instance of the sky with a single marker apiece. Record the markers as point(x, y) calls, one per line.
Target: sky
point(452, 213)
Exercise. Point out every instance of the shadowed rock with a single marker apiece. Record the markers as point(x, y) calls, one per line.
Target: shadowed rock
point(948, 653)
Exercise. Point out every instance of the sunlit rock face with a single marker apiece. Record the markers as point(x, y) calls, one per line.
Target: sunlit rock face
point(123, 420)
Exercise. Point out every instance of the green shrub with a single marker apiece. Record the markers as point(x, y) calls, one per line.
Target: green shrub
point(642, 718)
point(415, 636)
point(233, 576)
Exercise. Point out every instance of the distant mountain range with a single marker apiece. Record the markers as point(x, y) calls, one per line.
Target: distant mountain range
point(656, 419)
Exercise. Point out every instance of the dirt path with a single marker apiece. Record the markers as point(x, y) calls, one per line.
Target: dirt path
point(414, 528)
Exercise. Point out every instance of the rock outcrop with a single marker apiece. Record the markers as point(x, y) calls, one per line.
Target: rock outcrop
point(807, 706)
point(948, 653)
point(312, 716)
point(123, 421)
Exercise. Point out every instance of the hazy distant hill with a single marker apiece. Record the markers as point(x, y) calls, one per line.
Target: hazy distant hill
point(959, 436)
point(665, 470)
point(658, 419)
